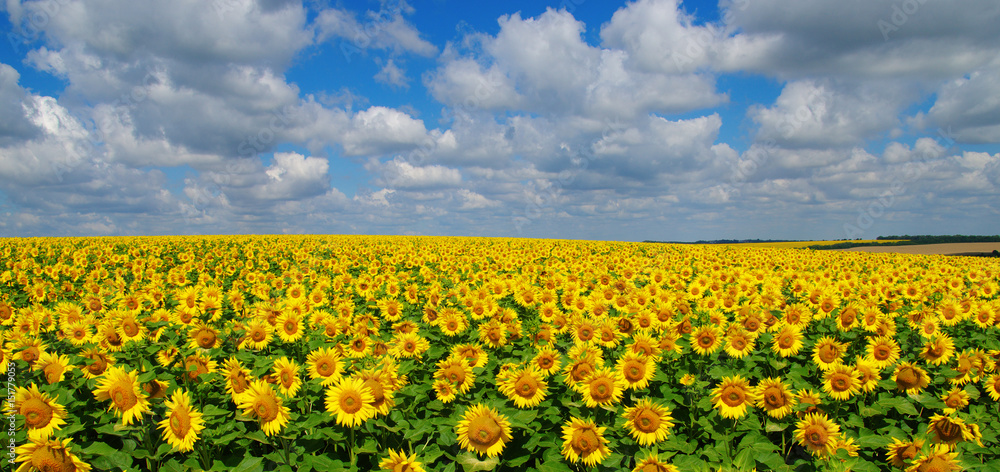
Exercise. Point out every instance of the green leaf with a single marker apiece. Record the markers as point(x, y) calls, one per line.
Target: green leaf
point(745, 459)
point(471, 463)
point(250, 464)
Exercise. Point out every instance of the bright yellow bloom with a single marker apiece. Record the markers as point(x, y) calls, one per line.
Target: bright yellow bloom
point(262, 403)
point(732, 396)
point(841, 382)
point(123, 390)
point(42, 414)
point(604, 387)
point(183, 422)
point(483, 430)
point(401, 462)
point(648, 422)
point(583, 441)
point(774, 397)
point(324, 364)
point(351, 401)
point(49, 455)
point(525, 387)
point(817, 434)
point(286, 371)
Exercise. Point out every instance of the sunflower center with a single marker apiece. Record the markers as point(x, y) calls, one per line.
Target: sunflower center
point(785, 341)
point(882, 353)
point(526, 386)
point(286, 378)
point(123, 398)
point(586, 334)
point(48, 459)
point(258, 335)
point(647, 421)
point(37, 413)
point(634, 371)
point(840, 383)
point(949, 432)
point(816, 436)
point(130, 328)
point(907, 378)
point(601, 390)
point(180, 423)
point(377, 392)
point(98, 367)
point(53, 372)
point(266, 408)
point(29, 355)
point(829, 353)
point(733, 396)
point(350, 402)
point(409, 346)
point(455, 375)
point(585, 442)
point(706, 341)
point(738, 344)
point(206, 339)
point(484, 431)
point(773, 397)
point(545, 362)
point(291, 327)
point(581, 371)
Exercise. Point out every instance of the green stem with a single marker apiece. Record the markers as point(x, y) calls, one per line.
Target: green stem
point(354, 457)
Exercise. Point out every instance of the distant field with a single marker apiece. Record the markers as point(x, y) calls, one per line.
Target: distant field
point(797, 244)
point(945, 248)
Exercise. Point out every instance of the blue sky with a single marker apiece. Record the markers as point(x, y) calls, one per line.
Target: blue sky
point(653, 119)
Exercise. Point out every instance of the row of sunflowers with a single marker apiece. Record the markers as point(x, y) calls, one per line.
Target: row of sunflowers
point(286, 353)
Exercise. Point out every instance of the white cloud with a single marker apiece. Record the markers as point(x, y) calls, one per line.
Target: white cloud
point(383, 29)
point(391, 74)
point(399, 174)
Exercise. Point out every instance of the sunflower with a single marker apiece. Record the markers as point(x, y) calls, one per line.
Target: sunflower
point(970, 364)
point(955, 399)
point(583, 441)
point(289, 326)
point(128, 327)
point(127, 397)
point(324, 363)
point(774, 397)
point(358, 347)
point(54, 366)
point(652, 463)
point(197, 365)
point(474, 354)
point(883, 351)
point(258, 335)
point(351, 401)
point(183, 422)
point(155, 389)
point(456, 370)
point(581, 369)
point(870, 374)
point(444, 391)
point(378, 383)
point(732, 396)
point(648, 422)
point(42, 414)
point(236, 378)
point(705, 340)
point(483, 430)
point(262, 403)
point(547, 360)
point(636, 370)
point(526, 387)
point(841, 382)
point(643, 343)
point(166, 356)
point(287, 373)
point(401, 462)
point(409, 345)
point(938, 459)
point(900, 453)
point(78, 333)
point(827, 352)
point(992, 385)
point(787, 341)
point(604, 387)
point(817, 433)
point(99, 362)
point(452, 322)
point(950, 431)
point(46, 455)
point(739, 343)
point(910, 378)
point(938, 349)
point(203, 337)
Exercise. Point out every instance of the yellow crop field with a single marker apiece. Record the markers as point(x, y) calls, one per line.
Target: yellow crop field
point(299, 353)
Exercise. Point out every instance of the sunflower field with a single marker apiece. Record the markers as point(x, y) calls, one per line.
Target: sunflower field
point(299, 353)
